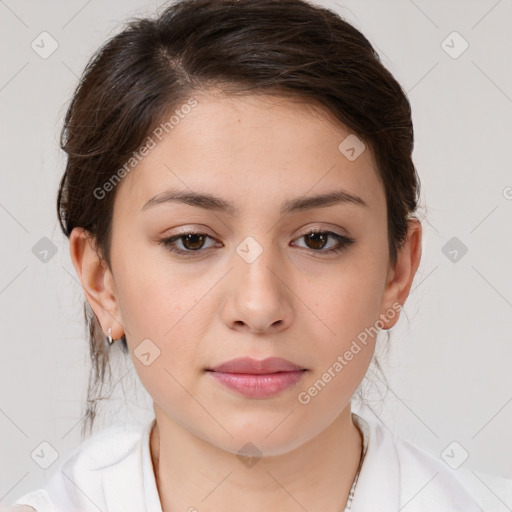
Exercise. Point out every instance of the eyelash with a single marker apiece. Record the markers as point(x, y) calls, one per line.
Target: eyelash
point(343, 243)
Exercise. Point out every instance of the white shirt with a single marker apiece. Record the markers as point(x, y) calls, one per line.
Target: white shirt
point(112, 471)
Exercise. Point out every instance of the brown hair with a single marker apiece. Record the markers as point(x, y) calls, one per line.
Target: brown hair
point(289, 48)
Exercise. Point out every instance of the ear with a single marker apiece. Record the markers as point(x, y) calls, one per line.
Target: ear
point(97, 281)
point(401, 275)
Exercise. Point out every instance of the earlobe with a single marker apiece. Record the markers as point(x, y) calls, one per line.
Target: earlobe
point(401, 276)
point(96, 279)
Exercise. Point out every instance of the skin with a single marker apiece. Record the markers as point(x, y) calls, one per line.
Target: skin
point(291, 302)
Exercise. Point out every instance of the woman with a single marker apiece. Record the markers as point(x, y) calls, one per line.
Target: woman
point(239, 199)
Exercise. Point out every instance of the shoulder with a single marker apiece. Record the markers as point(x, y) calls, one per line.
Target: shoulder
point(428, 481)
point(410, 477)
point(79, 481)
point(38, 501)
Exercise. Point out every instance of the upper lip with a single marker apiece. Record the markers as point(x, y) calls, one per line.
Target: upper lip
point(257, 367)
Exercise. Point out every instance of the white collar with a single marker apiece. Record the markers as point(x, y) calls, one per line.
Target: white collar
point(114, 472)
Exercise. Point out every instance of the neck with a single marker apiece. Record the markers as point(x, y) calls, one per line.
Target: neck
point(192, 472)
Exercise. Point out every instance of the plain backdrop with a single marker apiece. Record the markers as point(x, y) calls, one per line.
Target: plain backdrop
point(448, 366)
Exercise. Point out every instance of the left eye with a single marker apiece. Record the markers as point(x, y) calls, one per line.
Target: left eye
point(193, 242)
point(319, 238)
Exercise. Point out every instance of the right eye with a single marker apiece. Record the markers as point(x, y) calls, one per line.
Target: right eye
point(191, 241)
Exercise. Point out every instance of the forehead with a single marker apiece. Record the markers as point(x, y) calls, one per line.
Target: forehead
point(252, 149)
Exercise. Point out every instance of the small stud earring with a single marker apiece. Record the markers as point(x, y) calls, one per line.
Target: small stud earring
point(109, 337)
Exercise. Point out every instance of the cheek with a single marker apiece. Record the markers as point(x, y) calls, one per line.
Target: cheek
point(351, 313)
point(153, 294)
point(161, 317)
point(348, 300)
point(169, 318)
point(349, 306)
point(348, 303)
point(161, 304)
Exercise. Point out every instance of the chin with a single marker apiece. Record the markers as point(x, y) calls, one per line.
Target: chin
point(261, 438)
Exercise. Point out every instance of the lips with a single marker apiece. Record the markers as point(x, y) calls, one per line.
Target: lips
point(247, 365)
point(257, 379)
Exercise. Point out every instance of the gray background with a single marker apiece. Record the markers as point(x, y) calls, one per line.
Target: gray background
point(449, 361)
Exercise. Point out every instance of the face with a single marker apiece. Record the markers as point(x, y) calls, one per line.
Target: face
point(255, 279)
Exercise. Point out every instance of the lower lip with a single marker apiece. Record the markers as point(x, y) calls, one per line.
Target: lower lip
point(258, 386)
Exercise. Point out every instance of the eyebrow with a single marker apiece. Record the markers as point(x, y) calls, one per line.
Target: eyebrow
point(210, 202)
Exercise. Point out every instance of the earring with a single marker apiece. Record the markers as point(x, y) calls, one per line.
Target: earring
point(109, 337)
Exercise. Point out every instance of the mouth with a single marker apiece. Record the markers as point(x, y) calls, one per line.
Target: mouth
point(257, 379)
point(257, 367)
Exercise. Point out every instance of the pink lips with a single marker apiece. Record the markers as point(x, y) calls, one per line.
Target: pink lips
point(257, 379)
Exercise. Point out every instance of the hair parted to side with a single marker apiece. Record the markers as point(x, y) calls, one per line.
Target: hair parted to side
point(287, 48)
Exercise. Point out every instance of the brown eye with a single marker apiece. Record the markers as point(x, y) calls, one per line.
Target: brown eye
point(317, 241)
point(193, 241)
point(187, 244)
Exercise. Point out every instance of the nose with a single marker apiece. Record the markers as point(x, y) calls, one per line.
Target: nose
point(258, 298)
